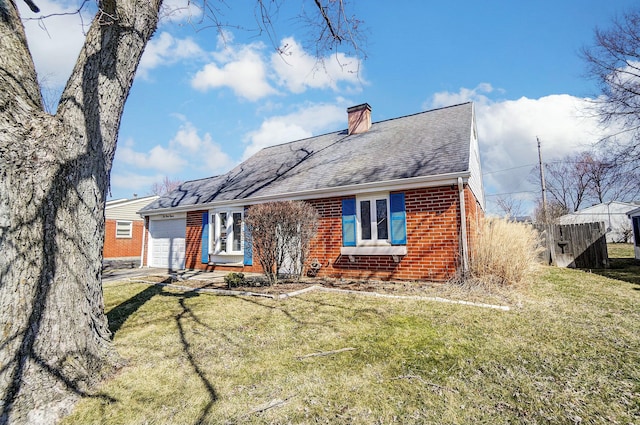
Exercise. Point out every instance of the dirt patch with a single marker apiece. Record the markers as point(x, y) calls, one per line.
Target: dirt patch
point(257, 284)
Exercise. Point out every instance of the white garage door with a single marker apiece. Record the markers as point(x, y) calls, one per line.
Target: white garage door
point(166, 243)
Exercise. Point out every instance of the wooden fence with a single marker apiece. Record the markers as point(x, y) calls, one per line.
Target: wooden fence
point(581, 246)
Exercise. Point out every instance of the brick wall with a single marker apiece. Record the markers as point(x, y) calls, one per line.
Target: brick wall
point(433, 239)
point(122, 247)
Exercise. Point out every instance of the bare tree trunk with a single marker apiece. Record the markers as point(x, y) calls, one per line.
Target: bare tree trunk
point(54, 176)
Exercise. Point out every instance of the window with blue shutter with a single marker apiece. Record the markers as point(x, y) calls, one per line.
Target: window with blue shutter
point(398, 219)
point(205, 237)
point(349, 222)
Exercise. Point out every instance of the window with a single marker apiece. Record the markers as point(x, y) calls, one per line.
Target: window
point(227, 232)
point(636, 230)
point(124, 229)
point(373, 223)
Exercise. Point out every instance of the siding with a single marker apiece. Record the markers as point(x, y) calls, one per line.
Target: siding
point(475, 179)
point(127, 209)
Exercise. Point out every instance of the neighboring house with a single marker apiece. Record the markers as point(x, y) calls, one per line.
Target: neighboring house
point(124, 228)
point(634, 216)
point(397, 199)
point(613, 214)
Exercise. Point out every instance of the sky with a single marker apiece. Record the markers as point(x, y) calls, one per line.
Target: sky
point(204, 100)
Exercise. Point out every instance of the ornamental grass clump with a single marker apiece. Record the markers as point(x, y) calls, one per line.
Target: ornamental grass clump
point(505, 252)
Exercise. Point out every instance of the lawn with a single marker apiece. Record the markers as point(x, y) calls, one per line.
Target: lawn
point(568, 353)
point(622, 263)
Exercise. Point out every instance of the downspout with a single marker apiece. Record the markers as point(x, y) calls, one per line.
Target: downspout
point(144, 233)
point(463, 228)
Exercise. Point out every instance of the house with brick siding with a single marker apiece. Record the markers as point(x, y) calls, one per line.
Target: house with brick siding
point(397, 199)
point(124, 228)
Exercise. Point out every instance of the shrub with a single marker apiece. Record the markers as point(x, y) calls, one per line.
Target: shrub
point(281, 234)
point(233, 280)
point(505, 252)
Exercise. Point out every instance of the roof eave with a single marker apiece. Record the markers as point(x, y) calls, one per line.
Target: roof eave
point(382, 186)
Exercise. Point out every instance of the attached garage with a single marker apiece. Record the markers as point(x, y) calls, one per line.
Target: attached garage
point(167, 242)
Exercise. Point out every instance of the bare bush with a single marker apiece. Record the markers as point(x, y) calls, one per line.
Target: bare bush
point(505, 252)
point(282, 233)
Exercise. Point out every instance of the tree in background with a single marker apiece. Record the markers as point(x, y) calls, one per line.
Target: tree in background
point(566, 182)
point(165, 186)
point(613, 61)
point(587, 178)
point(553, 211)
point(510, 206)
point(611, 178)
point(281, 233)
point(54, 178)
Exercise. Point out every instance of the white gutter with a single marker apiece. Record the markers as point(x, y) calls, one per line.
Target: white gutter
point(389, 185)
point(463, 228)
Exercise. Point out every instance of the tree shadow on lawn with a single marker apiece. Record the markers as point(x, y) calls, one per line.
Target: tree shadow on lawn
point(625, 269)
point(119, 314)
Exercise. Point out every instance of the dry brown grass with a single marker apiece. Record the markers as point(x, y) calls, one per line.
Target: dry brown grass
point(505, 253)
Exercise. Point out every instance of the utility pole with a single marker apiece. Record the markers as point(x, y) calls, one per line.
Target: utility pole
point(542, 184)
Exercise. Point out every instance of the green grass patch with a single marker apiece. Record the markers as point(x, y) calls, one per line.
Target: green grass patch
point(568, 354)
point(622, 264)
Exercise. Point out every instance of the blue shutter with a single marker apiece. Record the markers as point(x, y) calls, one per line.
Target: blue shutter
point(349, 222)
point(205, 237)
point(398, 219)
point(248, 243)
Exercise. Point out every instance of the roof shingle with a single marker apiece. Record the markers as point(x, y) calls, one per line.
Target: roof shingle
point(429, 143)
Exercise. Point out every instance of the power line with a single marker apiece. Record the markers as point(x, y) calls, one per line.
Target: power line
point(510, 193)
point(508, 169)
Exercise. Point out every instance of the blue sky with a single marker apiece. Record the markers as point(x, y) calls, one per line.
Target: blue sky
point(203, 101)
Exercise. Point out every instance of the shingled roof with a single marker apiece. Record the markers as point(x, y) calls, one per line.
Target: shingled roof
point(431, 143)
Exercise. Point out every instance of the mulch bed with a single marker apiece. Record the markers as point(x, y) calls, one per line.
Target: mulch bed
point(258, 285)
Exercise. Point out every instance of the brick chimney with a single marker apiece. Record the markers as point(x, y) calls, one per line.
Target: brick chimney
point(359, 118)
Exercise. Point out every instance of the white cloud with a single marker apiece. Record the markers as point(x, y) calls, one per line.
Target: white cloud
point(164, 49)
point(187, 149)
point(477, 95)
point(55, 42)
point(305, 122)
point(202, 152)
point(507, 131)
point(241, 68)
point(157, 158)
point(297, 70)
point(245, 69)
point(134, 183)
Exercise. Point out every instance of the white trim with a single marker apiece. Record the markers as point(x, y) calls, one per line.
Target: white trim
point(374, 250)
point(130, 233)
point(168, 215)
point(450, 179)
point(373, 208)
point(214, 230)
